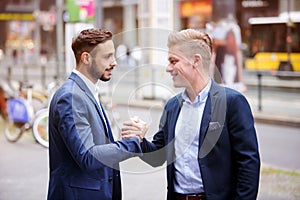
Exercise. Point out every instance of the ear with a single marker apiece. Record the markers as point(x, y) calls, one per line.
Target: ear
point(85, 58)
point(197, 60)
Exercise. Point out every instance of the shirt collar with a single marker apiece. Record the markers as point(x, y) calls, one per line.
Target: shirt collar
point(201, 97)
point(92, 87)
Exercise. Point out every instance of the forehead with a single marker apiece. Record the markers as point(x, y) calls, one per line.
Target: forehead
point(104, 48)
point(175, 53)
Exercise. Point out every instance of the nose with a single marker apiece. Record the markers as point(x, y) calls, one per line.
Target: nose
point(114, 62)
point(169, 68)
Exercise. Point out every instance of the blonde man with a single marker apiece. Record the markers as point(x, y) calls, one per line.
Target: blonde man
point(206, 133)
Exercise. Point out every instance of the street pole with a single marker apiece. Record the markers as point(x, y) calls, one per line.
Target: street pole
point(289, 38)
point(38, 33)
point(59, 39)
point(99, 14)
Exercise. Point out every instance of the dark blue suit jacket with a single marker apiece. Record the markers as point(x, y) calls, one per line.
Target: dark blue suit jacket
point(228, 152)
point(82, 154)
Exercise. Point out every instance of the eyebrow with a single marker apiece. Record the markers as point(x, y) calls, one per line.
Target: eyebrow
point(173, 58)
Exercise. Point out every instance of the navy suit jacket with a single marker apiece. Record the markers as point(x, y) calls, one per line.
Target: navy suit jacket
point(83, 156)
point(228, 158)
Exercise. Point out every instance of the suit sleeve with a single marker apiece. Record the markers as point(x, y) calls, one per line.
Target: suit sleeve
point(74, 120)
point(154, 153)
point(245, 147)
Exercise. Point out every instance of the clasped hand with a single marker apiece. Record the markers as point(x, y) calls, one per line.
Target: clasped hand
point(134, 128)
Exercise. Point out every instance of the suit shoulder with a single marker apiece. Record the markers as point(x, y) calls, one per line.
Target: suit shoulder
point(173, 102)
point(68, 91)
point(235, 97)
point(65, 89)
point(231, 93)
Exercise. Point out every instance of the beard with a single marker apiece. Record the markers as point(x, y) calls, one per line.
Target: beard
point(97, 74)
point(103, 78)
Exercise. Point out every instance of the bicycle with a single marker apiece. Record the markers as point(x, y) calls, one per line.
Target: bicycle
point(20, 111)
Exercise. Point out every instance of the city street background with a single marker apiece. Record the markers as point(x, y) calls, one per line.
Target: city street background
point(35, 46)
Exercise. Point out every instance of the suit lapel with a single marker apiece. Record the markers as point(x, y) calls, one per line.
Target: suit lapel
point(210, 109)
point(176, 107)
point(103, 117)
point(172, 120)
point(107, 123)
point(82, 86)
point(214, 113)
point(206, 117)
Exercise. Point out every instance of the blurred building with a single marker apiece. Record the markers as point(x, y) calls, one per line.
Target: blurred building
point(30, 26)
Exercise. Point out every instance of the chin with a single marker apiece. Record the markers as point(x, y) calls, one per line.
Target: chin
point(176, 85)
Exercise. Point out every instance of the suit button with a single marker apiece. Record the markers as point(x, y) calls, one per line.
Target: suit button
point(110, 179)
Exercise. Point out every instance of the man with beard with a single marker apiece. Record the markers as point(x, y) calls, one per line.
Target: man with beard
point(83, 156)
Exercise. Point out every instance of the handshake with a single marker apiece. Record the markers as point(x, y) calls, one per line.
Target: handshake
point(134, 128)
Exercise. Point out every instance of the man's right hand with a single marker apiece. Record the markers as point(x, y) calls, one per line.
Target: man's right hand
point(134, 128)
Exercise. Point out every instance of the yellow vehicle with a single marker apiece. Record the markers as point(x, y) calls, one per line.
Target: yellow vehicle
point(272, 61)
point(274, 42)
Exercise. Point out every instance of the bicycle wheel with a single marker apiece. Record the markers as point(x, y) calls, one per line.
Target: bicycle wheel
point(13, 130)
point(40, 128)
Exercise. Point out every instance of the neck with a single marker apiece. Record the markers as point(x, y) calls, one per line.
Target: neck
point(83, 70)
point(196, 88)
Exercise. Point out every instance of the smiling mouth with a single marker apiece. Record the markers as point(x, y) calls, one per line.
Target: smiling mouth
point(109, 69)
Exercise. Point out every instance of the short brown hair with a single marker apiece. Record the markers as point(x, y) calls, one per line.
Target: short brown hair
point(87, 40)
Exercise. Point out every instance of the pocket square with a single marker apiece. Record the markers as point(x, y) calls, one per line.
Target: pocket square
point(214, 126)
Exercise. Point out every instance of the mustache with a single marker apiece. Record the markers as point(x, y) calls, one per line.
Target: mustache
point(111, 68)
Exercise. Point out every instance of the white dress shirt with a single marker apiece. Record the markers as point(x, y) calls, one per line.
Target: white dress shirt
point(187, 132)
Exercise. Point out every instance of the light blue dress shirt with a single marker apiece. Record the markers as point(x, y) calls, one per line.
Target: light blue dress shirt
point(187, 132)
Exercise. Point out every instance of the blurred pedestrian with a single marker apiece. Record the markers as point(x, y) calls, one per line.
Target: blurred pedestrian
point(3, 105)
point(206, 133)
point(84, 158)
point(230, 62)
point(15, 56)
point(228, 68)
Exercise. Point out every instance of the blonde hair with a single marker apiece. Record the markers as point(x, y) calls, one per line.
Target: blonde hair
point(190, 42)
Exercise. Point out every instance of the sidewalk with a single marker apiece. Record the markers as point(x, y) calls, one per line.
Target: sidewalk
point(280, 100)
